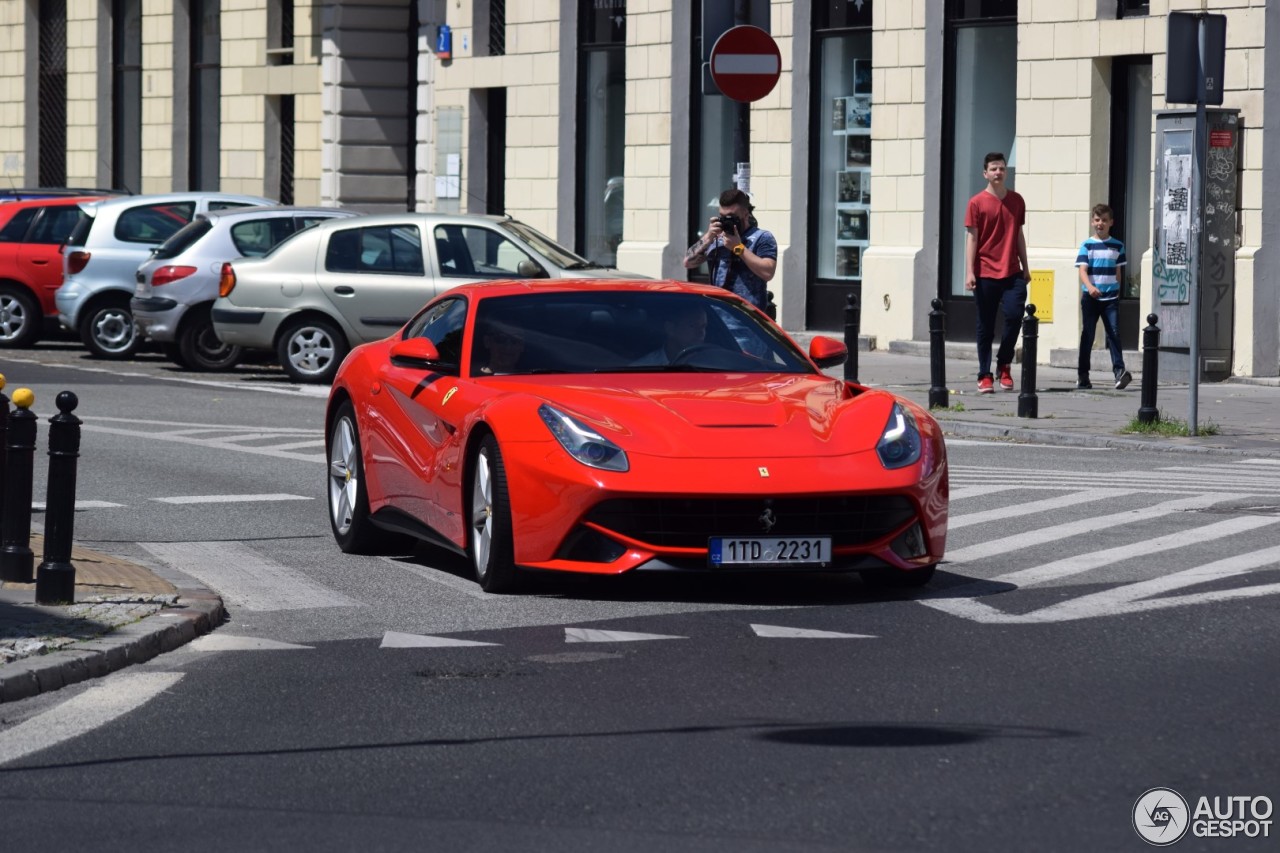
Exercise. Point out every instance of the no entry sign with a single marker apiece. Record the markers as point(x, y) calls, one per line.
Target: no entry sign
point(746, 63)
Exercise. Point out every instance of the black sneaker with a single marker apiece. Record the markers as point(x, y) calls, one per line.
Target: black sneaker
point(1083, 384)
point(1123, 380)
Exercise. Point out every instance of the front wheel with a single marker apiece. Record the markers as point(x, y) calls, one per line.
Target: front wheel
point(492, 542)
point(348, 494)
point(108, 331)
point(311, 350)
point(20, 317)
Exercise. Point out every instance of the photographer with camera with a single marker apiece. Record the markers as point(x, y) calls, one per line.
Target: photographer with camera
point(742, 256)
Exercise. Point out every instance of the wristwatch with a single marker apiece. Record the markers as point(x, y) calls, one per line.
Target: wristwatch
point(739, 249)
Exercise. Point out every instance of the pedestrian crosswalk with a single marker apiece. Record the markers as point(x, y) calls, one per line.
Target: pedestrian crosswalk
point(302, 445)
point(1104, 544)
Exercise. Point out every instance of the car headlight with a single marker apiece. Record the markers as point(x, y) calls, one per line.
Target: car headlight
point(900, 444)
point(583, 442)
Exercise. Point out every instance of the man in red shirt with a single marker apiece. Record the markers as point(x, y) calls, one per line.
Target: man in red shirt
point(996, 268)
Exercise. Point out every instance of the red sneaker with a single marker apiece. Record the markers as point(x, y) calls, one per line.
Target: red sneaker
point(986, 386)
point(1006, 378)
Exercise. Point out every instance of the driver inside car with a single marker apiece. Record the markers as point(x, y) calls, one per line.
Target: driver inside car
point(686, 328)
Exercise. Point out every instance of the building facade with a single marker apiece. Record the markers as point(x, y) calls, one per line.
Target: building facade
point(594, 121)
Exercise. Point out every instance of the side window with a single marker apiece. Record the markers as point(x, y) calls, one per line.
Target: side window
point(153, 223)
point(376, 249)
point(16, 228)
point(56, 224)
point(469, 251)
point(254, 239)
point(228, 205)
point(442, 324)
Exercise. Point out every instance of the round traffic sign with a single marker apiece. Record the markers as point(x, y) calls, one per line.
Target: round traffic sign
point(746, 63)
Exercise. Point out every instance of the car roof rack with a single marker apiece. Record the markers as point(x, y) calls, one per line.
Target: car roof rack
point(24, 193)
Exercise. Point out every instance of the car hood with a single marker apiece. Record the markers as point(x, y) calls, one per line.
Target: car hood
point(740, 416)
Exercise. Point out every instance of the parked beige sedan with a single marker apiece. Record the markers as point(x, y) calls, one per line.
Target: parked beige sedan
point(348, 282)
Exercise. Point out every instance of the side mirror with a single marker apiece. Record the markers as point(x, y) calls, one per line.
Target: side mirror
point(529, 269)
point(827, 352)
point(415, 352)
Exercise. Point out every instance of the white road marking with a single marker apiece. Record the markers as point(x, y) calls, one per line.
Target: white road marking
point(979, 491)
point(245, 578)
point(41, 507)
point(230, 499)
point(1044, 535)
point(294, 445)
point(107, 699)
point(208, 443)
point(595, 635)
point(467, 587)
point(957, 522)
point(805, 633)
point(228, 643)
point(292, 390)
point(397, 640)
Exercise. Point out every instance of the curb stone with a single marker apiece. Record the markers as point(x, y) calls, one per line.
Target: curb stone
point(1070, 439)
point(196, 612)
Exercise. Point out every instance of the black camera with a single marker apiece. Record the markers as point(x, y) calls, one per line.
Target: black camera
point(730, 223)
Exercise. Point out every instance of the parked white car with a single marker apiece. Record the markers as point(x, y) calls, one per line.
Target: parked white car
point(177, 285)
point(348, 282)
point(111, 239)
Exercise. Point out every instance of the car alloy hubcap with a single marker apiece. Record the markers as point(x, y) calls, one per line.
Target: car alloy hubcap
point(113, 330)
point(482, 513)
point(12, 318)
point(342, 475)
point(310, 351)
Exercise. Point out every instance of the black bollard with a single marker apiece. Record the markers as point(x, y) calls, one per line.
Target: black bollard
point(770, 307)
point(852, 319)
point(1147, 412)
point(937, 356)
point(16, 559)
point(56, 576)
point(1028, 402)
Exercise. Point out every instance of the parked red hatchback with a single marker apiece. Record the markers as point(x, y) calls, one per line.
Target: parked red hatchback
point(31, 234)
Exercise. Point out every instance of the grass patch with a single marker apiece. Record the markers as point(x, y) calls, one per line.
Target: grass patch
point(955, 407)
point(1165, 425)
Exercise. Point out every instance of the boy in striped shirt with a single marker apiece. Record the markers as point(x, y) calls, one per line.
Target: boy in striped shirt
point(1099, 261)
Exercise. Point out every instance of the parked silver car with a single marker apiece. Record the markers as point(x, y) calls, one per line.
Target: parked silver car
point(348, 282)
point(111, 239)
point(176, 287)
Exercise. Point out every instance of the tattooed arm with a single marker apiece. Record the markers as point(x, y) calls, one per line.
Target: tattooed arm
point(697, 254)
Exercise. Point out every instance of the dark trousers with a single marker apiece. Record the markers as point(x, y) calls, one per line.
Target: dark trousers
point(1010, 296)
point(1109, 311)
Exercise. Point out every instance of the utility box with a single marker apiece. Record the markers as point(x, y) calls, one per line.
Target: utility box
point(1177, 252)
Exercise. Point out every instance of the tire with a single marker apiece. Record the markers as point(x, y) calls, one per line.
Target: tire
point(200, 347)
point(898, 578)
point(491, 544)
point(174, 354)
point(108, 330)
point(21, 319)
point(311, 350)
point(347, 492)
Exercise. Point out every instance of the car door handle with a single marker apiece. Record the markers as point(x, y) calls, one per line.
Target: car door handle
point(39, 262)
point(344, 290)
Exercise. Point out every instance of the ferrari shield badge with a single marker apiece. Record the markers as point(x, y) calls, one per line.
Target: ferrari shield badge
point(448, 394)
point(764, 472)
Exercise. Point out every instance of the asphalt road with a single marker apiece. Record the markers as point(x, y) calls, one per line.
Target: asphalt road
point(1107, 623)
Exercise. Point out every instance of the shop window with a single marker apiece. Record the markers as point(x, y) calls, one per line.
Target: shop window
point(1130, 185)
point(52, 93)
point(711, 161)
point(1132, 8)
point(602, 105)
point(206, 94)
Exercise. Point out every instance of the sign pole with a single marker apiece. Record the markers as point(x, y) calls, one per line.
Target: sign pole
point(742, 116)
point(1197, 269)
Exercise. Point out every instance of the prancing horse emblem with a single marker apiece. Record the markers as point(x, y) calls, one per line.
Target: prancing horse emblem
point(767, 519)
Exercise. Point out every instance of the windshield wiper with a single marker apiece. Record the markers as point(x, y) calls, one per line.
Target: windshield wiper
point(585, 265)
point(659, 368)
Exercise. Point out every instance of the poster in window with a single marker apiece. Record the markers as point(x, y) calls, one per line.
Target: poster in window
point(865, 184)
point(857, 151)
point(848, 262)
point(862, 76)
point(858, 113)
point(848, 187)
point(837, 115)
point(851, 225)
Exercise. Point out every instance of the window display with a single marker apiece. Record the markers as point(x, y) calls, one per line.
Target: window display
point(851, 125)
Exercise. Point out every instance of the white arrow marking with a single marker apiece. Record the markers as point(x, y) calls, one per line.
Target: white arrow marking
point(38, 506)
point(230, 643)
point(595, 635)
point(746, 63)
point(806, 633)
point(397, 640)
point(107, 699)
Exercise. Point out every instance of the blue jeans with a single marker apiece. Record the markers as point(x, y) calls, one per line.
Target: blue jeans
point(1010, 296)
point(1090, 310)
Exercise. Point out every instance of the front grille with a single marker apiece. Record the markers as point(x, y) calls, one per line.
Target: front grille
point(689, 522)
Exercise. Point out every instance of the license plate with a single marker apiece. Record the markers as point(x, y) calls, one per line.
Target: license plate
point(769, 551)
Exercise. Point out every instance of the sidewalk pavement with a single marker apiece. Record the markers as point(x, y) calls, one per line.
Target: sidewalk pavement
point(126, 614)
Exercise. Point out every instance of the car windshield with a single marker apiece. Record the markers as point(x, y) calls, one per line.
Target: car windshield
point(611, 331)
point(548, 248)
point(183, 239)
